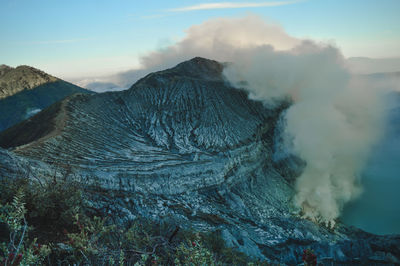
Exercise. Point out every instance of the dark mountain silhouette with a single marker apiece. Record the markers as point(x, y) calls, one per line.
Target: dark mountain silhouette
point(24, 91)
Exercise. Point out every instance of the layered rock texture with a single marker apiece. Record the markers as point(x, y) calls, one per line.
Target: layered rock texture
point(25, 91)
point(183, 145)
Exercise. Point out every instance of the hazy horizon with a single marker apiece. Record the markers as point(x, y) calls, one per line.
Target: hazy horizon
point(77, 41)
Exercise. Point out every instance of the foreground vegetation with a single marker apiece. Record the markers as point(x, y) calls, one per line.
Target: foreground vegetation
point(52, 223)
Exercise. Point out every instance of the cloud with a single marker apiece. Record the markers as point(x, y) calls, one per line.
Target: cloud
point(365, 65)
point(229, 5)
point(216, 38)
point(99, 86)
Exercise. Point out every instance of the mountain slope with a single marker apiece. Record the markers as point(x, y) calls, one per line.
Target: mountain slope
point(24, 91)
point(168, 124)
point(182, 144)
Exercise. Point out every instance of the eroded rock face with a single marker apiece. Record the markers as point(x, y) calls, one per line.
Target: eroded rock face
point(183, 145)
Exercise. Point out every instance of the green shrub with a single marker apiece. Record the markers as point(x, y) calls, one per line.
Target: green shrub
point(64, 232)
point(50, 204)
point(20, 249)
point(194, 253)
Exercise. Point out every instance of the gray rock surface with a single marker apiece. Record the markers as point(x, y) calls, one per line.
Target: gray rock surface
point(183, 145)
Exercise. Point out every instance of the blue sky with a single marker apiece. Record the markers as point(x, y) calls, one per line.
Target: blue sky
point(96, 37)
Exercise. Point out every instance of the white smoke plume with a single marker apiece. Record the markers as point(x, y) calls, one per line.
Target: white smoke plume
point(333, 123)
point(219, 39)
point(334, 120)
point(216, 39)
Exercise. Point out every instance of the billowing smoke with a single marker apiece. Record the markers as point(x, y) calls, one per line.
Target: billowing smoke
point(219, 39)
point(334, 120)
point(216, 39)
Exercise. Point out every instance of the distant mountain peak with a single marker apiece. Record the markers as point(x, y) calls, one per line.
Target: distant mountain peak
point(202, 63)
point(14, 80)
point(199, 67)
point(25, 91)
